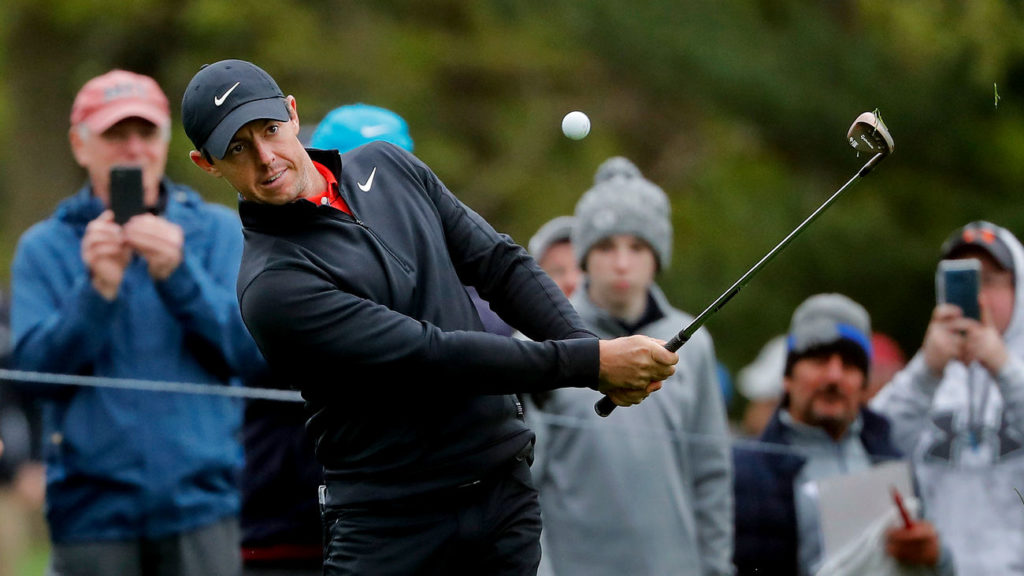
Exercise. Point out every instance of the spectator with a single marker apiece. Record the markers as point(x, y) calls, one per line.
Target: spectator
point(361, 312)
point(958, 408)
point(281, 530)
point(352, 125)
point(22, 484)
point(135, 479)
point(613, 500)
point(888, 359)
point(822, 418)
point(760, 383)
point(725, 385)
point(551, 246)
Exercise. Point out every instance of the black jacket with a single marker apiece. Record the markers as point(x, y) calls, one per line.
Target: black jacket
point(369, 317)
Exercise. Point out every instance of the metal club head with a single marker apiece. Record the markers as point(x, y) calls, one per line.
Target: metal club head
point(869, 134)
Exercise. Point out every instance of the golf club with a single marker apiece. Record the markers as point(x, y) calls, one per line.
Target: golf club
point(867, 134)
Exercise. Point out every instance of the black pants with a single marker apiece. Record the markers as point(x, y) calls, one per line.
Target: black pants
point(492, 527)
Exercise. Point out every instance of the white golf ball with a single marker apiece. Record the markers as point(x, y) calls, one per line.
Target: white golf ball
point(576, 125)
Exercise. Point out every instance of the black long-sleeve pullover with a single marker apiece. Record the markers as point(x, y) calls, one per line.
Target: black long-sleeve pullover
point(367, 315)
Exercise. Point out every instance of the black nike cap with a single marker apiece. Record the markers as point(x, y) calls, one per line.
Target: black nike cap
point(224, 96)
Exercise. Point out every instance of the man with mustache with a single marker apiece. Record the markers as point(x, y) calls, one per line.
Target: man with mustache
point(820, 430)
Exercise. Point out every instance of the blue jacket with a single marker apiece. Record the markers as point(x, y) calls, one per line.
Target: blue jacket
point(123, 464)
point(766, 524)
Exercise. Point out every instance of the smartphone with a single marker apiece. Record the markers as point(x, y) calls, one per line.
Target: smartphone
point(126, 192)
point(957, 282)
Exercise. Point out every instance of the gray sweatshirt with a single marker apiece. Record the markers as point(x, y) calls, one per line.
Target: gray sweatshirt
point(647, 491)
point(965, 432)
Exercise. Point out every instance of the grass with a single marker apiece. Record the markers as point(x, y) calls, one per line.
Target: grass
point(33, 563)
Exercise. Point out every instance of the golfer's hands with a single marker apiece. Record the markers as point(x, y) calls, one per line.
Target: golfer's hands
point(105, 254)
point(633, 367)
point(917, 546)
point(159, 241)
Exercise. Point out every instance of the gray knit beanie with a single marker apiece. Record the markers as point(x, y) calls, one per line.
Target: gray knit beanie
point(558, 229)
point(622, 201)
point(825, 319)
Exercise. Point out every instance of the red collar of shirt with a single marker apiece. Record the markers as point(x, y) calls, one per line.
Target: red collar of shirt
point(331, 195)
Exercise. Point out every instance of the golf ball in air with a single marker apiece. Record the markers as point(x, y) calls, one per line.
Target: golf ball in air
point(576, 125)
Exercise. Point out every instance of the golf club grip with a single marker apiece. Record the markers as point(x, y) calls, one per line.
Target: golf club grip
point(605, 406)
point(677, 341)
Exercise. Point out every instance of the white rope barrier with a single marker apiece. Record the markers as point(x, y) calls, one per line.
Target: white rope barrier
point(537, 418)
point(151, 385)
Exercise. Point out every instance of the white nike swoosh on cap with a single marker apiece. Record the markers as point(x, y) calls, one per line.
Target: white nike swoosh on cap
point(374, 131)
point(217, 101)
point(369, 181)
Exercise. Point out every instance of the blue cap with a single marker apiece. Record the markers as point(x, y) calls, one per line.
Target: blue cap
point(353, 125)
point(825, 319)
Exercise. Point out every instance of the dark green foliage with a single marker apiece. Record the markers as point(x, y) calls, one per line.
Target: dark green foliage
point(738, 109)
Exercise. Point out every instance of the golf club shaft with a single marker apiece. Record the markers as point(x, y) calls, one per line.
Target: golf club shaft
point(605, 406)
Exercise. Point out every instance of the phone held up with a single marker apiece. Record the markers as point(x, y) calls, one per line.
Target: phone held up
point(958, 282)
point(126, 192)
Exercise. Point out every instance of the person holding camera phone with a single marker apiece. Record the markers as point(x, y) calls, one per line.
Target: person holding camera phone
point(958, 408)
point(136, 480)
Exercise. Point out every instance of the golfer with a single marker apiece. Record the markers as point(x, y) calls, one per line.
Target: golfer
point(351, 284)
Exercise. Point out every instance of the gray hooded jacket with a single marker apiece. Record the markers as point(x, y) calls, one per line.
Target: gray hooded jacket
point(965, 433)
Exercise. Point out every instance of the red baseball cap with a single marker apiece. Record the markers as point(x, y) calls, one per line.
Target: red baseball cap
point(106, 100)
point(887, 350)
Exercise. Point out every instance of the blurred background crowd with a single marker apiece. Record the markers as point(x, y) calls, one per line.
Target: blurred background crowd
point(738, 110)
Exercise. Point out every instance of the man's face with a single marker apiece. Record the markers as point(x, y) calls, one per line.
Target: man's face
point(266, 161)
point(130, 142)
point(620, 269)
point(997, 288)
point(825, 390)
point(559, 261)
